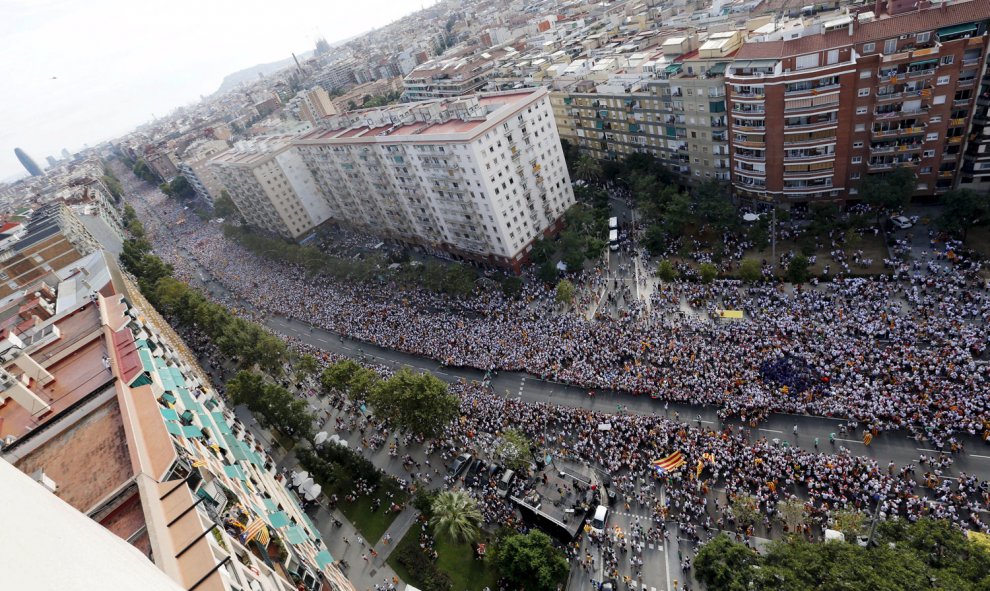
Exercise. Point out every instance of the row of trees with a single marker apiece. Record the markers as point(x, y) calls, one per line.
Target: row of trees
point(143, 171)
point(433, 275)
point(274, 406)
point(927, 554)
point(112, 183)
point(235, 336)
point(419, 402)
point(179, 188)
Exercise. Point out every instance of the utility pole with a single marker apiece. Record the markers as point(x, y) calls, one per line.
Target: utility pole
point(873, 526)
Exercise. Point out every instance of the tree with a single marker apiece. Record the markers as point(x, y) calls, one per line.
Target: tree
point(708, 272)
point(337, 376)
point(725, 565)
point(565, 292)
point(514, 449)
point(306, 366)
point(797, 269)
point(246, 387)
point(456, 516)
point(750, 270)
point(530, 561)
point(588, 169)
point(963, 209)
point(714, 205)
point(418, 402)
point(666, 271)
point(512, 286)
point(849, 521)
point(678, 215)
point(890, 192)
point(792, 512)
point(548, 272)
point(746, 510)
point(223, 206)
point(572, 249)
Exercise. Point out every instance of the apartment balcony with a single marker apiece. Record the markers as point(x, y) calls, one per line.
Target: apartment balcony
point(744, 128)
point(916, 130)
point(809, 174)
point(882, 166)
point(748, 158)
point(762, 174)
point(812, 91)
point(961, 102)
point(971, 61)
point(749, 143)
point(809, 141)
point(759, 96)
point(812, 125)
point(738, 109)
point(917, 113)
point(957, 122)
point(809, 157)
point(897, 149)
point(955, 140)
point(946, 174)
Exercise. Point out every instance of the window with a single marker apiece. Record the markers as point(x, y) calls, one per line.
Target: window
point(807, 61)
point(943, 80)
point(854, 175)
point(932, 137)
point(869, 47)
point(865, 74)
point(857, 159)
point(857, 144)
point(939, 100)
point(860, 127)
point(925, 170)
point(890, 46)
point(863, 92)
point(861, 110)
point(928, 154)
point(922, 37)
point(947, 59)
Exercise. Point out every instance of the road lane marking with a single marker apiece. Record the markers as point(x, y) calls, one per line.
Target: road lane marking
point(849, 440)
point(978, 456)
point(771, 430)
point(931, 450)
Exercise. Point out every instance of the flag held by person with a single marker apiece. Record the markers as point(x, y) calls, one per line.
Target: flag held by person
point(669, 463)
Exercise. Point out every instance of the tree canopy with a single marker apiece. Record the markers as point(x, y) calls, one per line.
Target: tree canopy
point(455, 516)
point(530, 561)
point(418, 402)
point(962, 210)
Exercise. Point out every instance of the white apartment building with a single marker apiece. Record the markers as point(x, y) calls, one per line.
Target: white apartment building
point(195, 167)
point(479, 177)
point(271, 186)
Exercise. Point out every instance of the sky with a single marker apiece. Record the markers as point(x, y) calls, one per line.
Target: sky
point(84, 71)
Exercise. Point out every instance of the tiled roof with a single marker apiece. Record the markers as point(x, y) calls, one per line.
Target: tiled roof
point(884, 28)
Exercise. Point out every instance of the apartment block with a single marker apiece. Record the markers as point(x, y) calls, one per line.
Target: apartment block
point(671, 107)
point(272, 187)
point(195, 167)
point(452, 76)
point(477, 177)
point(104, 412)
point(811, 117)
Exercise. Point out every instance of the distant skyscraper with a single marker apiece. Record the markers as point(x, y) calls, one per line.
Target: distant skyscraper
point(51, 161)
point(65, 154)
point(29, 164)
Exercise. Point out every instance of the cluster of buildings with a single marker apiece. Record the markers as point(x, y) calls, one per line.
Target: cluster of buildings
point(115, 445)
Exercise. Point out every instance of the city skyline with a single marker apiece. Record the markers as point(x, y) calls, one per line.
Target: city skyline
point(76, 90)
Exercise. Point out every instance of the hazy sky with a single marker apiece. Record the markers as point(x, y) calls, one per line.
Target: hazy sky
point(83, 71)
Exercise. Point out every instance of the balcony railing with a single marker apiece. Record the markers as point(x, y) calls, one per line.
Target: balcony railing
point(901, 113)
point(898, 132)
point(808, 124)
point(815, 90)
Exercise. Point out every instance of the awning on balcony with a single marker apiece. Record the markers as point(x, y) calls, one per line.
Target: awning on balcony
point(295, 535)
point(923, 63)
point(222, 425)
point(169, 414)
point(278, 519)
point(324, 559)
point(718, 69)
point(957, 30)
point(673, 68)
point(235, 472)
point(192, 432)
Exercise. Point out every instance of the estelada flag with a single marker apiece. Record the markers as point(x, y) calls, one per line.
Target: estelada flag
point(669, 463)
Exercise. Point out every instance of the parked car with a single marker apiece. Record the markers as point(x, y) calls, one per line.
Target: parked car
point(901, 222)
point(460, 464)
point(505, 482)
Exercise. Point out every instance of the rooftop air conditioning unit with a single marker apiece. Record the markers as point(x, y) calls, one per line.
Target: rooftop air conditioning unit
point(40, 477)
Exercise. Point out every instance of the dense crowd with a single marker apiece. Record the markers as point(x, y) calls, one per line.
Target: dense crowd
point(889, 354)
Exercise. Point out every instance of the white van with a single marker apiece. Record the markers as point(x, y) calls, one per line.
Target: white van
point(613, 223)
point(505, 482)
point(600, 519)
point(613, 239)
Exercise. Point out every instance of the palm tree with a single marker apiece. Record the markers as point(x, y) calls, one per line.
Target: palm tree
point(456, 516)
point(587, 169)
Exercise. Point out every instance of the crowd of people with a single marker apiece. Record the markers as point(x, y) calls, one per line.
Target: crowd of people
point(893, 354)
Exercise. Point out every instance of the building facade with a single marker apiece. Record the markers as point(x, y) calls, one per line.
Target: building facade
point(479, 177)
point(272, 187)
point(195, 167)
point(811, 117)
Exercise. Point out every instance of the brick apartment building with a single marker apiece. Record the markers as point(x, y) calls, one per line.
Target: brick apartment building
point(810, 117)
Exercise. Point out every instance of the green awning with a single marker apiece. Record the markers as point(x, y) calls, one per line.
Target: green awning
point(173, 428)
point(169, 398)
point(169, 414)
point(187, 416)
point(222, 425)
point(269, 504)
point(762, 63)
point(192, 431)
point(309, 522)
point(278, 519)
point(146, 360)
point(718, 69)
point(673, 68)
point(211, 403)
point(234, 472)
point(323, 559)
point(141, 380)
point(957, 30)
point(234, 447)
point(295, 535)
point(922, 63)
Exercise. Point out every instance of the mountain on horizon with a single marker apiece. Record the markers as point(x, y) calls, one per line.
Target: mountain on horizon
point(232, 81)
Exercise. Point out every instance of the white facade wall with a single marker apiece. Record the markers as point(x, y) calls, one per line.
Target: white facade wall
point(487, 192)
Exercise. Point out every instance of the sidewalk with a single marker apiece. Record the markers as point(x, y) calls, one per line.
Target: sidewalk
point(400, 526)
